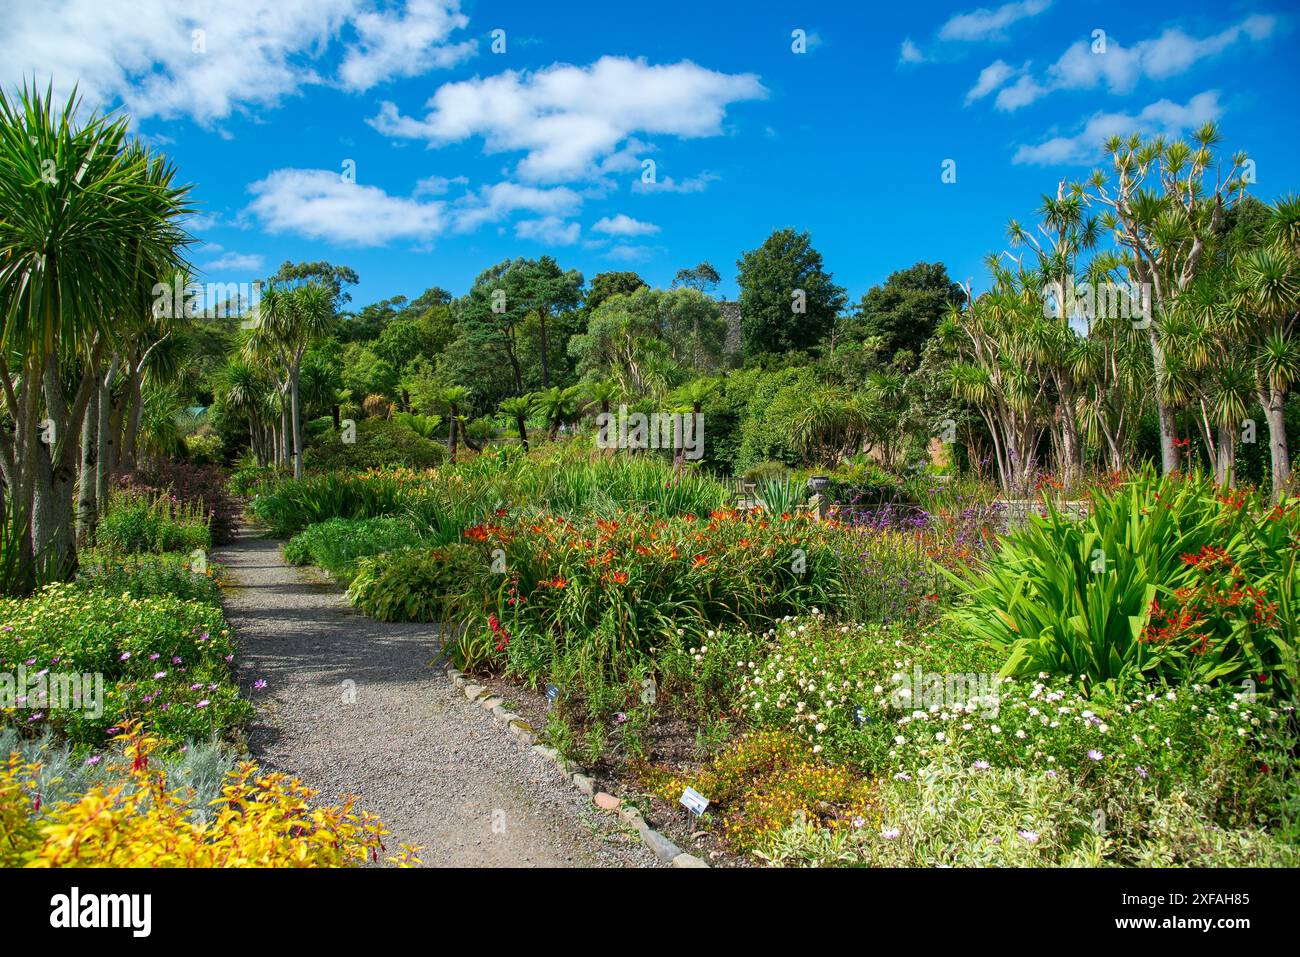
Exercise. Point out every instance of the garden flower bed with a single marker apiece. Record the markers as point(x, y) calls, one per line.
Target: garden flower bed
point(826, 683)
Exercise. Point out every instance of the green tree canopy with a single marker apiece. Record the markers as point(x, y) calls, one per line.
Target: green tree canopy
point(904, 312)
point(607, 284)
point(787, 300)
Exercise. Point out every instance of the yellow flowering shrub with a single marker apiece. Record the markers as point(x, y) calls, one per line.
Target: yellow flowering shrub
point(260, 820)
point(765, 782)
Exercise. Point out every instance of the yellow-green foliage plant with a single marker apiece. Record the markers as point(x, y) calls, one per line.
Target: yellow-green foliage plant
point(261, 820)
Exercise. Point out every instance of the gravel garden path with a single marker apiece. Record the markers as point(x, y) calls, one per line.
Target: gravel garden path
point(436, 768)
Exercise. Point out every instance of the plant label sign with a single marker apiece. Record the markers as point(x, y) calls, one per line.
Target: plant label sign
point(860, 716)
point(694, 801)
point(552, 692)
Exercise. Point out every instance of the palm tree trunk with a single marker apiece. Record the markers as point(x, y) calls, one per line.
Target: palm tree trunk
point(53, 527)
point(297, 422)
point(135, 406)
point(19, 465)
point(1279, 453)
point(523, 431)
point(1225, 455)
point(541, 329)
point(1070, 447)
point(105, 437)
point(286, 433)
point(87, 501)
point(1168, 428)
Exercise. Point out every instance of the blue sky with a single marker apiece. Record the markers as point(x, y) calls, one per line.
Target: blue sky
point(462, 156)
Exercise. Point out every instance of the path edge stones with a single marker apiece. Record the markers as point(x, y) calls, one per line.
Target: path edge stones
point(661, 846)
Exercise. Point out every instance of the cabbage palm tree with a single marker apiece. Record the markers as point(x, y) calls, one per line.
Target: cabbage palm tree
point(243, 388)
point(87, 225)
point(997, 373)
point(160, 433)
point(1266, 307)
point(831, 425)
point(288, 321)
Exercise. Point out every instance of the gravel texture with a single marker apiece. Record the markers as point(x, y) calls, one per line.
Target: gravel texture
point(435, 767)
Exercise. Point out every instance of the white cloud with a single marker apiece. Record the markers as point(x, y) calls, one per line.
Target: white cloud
point(198, 222)
point(628, 253)
point(990, 78)
point(235, 262)
point(623, 225)
point(1120, 68)
point(550, 230)
point(909, 52)
point(318, 204)
point(405, 43)
point(1021, 93)
point(566, 119)
point(666, 184)
point(494, 203)
point(207, 59)
point(1162, 118)
point(438, 185)
point(986, 24)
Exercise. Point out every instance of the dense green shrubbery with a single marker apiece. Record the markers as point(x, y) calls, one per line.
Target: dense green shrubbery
point(338, 544)
point(864, 484)
point(290, 506)
point(164, 660)
point(444, 502)
point(250, 479)
point(146, 575)
point(143, 522)
point(604, 486)
point(416, 584)
point(204, 448)
point(380, 443)
point(1165, 578)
